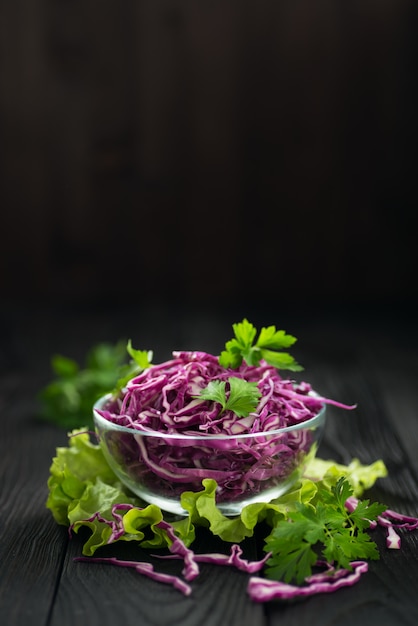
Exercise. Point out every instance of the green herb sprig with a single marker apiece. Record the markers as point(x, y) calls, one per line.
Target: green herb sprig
point(326, 530)
point(68, 399)
point(268, 346)
point(242, 398)
point(140, 360)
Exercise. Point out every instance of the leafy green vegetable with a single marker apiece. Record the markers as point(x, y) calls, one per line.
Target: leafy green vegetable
point(243, 396)
point(83, 491)
point(327, 528)
point(361, 477)
point(75, 469)
point(141, 359)
point(68, 399)
point(268, 346)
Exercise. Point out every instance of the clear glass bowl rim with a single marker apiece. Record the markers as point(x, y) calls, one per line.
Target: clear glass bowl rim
point(100, 421)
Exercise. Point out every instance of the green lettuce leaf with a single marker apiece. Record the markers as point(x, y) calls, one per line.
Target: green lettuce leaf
point(74, 471)
point(83, 492)
point(361, 477)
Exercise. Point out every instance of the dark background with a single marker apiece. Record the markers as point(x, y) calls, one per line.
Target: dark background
point(204, 154)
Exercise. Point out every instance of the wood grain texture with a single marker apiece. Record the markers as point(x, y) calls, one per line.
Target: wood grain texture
point(32, 546)
point(104, 593)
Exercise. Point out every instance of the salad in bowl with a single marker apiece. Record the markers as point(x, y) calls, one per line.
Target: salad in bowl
point(233, 418)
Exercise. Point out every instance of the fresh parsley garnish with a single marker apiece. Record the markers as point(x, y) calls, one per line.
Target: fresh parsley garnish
point(326, 531)
point(241, 398)
point(268, 346)
point(141, 360)
point(68, 399)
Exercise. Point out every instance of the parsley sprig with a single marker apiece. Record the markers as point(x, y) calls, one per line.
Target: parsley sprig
point(242, 397)
point(268, 346)
point(140, 360)
point(68, 399)
point(327, 530)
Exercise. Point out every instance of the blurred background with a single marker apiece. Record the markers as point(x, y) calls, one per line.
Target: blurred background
point(208, 153)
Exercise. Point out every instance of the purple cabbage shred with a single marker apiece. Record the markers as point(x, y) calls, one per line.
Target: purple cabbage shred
point(263, 590)
point(391, 521)
point(164, 399)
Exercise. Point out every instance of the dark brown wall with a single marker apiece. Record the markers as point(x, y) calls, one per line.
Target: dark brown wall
point(210, 149)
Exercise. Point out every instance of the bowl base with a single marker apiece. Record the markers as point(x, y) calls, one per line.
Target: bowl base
point(229, 509)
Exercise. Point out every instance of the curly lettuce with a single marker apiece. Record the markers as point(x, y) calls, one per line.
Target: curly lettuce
point(84, 492)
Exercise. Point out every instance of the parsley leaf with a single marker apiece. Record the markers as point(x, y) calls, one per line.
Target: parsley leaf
point(68, 399)
point(268, 346)
point(326, 530)
point(242, 398)
point(141, 359)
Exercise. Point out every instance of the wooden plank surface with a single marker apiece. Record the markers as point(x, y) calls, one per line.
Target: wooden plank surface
point(32, 546)
point(40, 583)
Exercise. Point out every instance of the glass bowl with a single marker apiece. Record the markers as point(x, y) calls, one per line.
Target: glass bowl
point(248, 468)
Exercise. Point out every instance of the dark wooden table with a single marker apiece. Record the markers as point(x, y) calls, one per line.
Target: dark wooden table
point(368, 356)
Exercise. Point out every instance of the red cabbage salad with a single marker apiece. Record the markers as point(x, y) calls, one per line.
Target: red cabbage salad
point(219, 399)
point(168, 398)
point(183, 397)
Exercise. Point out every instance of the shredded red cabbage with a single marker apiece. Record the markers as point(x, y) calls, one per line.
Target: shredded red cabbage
point(263, 590)
point(165, 399)
point(234, 559)
point(390, 520)
point(259, 589)
point(144, 568)
point(178, 550)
